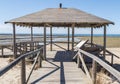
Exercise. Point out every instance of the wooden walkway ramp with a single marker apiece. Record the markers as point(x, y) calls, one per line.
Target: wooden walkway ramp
point(59, 69)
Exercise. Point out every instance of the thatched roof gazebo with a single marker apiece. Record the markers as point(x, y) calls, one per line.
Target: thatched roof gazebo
point(60, 17)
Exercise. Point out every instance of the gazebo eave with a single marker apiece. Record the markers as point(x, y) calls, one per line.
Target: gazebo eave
point(62, 24)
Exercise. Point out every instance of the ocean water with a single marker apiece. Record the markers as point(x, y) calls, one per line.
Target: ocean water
point(28, 35)
point(7, 38)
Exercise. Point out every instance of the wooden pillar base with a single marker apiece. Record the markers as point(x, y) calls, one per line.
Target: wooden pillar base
point(23, 72)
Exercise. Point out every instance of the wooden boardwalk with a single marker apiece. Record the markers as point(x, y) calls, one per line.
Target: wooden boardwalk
point(59, 69)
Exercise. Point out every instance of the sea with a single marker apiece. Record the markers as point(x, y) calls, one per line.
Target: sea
point(108, 35)
point(6, 38)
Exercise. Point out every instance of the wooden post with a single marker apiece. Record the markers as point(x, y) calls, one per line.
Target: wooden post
point(23, 66)
point(94, 70)
point(31, 44)
point(44, 42)
point(14, 42)
point(91, 36)
point(73, 37)
point(104, 42)
point(68, 38)
point(2, 51)
point(112, 59)
point(78, 61)
point(40, 58)
point(20, 48)
point(50, 38)
point(23, 72)
point(26, 47)
point(31, 33)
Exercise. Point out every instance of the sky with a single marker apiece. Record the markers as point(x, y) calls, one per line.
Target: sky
point(108, 9)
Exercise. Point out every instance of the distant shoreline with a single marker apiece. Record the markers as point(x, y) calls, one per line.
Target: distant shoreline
point(97, 35)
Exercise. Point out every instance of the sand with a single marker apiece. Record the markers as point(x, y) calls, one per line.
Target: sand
point(13, 76)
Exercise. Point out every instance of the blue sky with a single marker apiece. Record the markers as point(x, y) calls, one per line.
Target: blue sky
point(108, 9)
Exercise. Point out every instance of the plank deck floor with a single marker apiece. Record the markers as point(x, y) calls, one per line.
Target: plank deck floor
point(59, 69)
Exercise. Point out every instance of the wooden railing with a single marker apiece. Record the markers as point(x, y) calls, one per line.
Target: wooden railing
point(21, 58)
point(26, 46)
point(96, 60)
point(108, 53)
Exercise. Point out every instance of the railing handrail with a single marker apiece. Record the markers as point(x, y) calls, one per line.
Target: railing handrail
point(110, 69)
point(17, 60)
point(100, 46)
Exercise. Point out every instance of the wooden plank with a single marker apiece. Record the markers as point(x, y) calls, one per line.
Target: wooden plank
point(80, 44)
point(57, 72)
point(110, 69)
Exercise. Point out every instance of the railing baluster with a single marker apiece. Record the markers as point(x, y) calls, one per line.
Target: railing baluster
point(84, 65)
point(110, 69)
point(38, 55)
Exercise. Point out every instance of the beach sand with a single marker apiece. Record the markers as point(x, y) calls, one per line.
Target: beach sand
point(13, 76)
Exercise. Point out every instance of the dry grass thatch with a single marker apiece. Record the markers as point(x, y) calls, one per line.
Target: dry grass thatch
point(63, 17)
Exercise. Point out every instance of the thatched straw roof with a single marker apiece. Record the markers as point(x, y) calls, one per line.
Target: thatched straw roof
point(61, 17)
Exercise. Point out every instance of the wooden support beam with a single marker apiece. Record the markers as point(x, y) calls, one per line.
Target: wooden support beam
point(23, 66)
point(104, 48)
point(31, 33)
point(2, 50)
point(68, 38)
point(40, 58)
point(91, 36)
point(14, 42)
point(31, 44)
point(112, 60)
point(51, 38)
point(73, 37)
point(23, 72)
point(94, 71)
point(44, 42)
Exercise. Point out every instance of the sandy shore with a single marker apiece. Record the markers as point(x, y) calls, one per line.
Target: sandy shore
point(13, 76)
